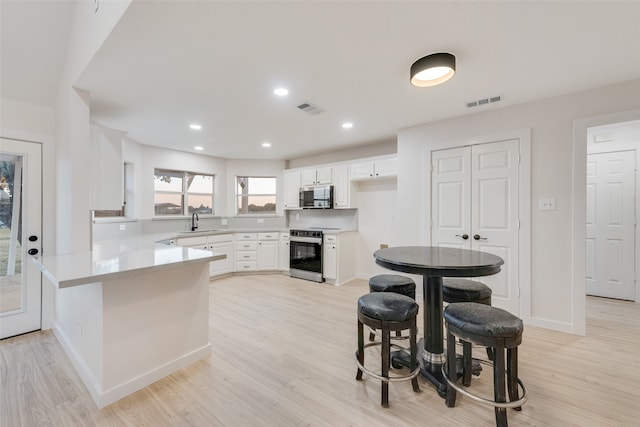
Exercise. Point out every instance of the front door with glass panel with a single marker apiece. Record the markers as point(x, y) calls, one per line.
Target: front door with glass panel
point(20, 236)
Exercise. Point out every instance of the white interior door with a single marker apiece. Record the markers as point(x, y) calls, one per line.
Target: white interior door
point(610, 245)
point(475, 206)
point(20, 232)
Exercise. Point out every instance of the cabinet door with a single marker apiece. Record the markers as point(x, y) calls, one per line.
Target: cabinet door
point(330, 261)
point(222, 266)
point(308, 177)
point(386, 167)
point(268, 255)
point(291, 190)
point(323, 176)
point(283, 257)
point(341, 187)
point(363, 170)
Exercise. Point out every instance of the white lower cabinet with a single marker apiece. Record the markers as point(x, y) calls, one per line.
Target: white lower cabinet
point(268, 248)
point(221, 244)
point(330, 257)
point(246, 252)
point(338, 257)
point(284, 252)
point(216, 243)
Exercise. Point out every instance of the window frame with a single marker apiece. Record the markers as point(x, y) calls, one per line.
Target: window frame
point(237, 196)
point(184, 193)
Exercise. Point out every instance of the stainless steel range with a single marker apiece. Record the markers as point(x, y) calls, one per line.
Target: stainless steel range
point(305, 260)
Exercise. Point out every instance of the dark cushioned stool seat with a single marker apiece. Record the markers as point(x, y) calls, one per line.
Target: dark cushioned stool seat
point(483, 323)
point(465, 290)
point(393, 283)
point(387, 312)
point(387, 306)
point(490, 327)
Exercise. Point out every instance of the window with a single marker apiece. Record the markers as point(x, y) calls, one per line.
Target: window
point(256, 195)
point(182, 193)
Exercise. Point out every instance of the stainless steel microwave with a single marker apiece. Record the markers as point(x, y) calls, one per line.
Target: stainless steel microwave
point(318, 197)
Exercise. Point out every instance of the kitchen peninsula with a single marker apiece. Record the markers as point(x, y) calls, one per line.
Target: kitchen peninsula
point(130, 312)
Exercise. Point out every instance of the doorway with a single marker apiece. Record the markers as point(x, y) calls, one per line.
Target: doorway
point(20, 232)
point(613, 155)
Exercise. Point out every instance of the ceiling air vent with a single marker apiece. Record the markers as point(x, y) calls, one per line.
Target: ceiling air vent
point(484, 101)
point(310, 108)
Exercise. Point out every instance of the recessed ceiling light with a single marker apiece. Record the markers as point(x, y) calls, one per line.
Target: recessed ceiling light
point(281, 91)
point(347, 125)
point(195, 126)
point(266, 144)
point(199, 148)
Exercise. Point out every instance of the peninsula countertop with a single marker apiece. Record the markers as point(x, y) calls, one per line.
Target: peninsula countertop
point(116, 259)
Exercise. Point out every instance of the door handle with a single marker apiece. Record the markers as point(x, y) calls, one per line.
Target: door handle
point(464, 236)
point(32, 251)
point(477, 237)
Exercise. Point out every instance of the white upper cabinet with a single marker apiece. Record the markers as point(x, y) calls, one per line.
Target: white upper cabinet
point(372, 169)
point(319, 176)
point(291, 190)
point(342, 194)
point(107, 169)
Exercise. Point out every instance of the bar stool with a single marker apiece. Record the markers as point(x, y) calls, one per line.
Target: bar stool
point(490, 327)
point(386, 312)
point(465, 290)
point(394, 283)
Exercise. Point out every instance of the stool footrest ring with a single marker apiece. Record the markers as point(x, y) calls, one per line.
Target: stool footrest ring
point(514, 404)
point(398, 378)
point(377, 333)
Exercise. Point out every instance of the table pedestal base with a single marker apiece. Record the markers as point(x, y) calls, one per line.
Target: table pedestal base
point(431, 366)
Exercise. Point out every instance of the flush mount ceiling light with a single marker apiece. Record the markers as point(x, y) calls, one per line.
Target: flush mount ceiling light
point(347, 125)
point(281, 91)
point(198, 148)
point(266, 144)
point(433, 69)
point(195, 126)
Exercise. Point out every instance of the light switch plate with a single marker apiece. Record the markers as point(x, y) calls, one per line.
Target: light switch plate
point(547, 204)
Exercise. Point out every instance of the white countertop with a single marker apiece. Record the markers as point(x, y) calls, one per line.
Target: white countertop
point(111, 259)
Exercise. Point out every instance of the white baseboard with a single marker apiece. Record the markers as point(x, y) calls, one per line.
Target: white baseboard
point(104, 398)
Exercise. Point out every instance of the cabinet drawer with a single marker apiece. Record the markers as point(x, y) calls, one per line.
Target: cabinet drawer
point(245, 266)
point(217, 238)
point(246, 236)
point(246, 246)
point(268, 236)
point(330, 238)
point(245, 255)
point(284, 236)
point(192, 241)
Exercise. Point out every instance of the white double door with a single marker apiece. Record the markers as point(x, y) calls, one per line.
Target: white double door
point(474, 205)
point(611, 218)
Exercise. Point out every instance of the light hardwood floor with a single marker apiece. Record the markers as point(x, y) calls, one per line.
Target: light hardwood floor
point(283, 356)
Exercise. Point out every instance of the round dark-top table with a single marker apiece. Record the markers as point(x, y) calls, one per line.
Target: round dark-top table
point(434, 263)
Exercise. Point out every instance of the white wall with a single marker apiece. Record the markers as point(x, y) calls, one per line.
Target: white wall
point(253, 168)
point(557, 291)
point(147, 158)
point(353, 153)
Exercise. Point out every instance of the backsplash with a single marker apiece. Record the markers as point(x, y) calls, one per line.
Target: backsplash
point(328, 218)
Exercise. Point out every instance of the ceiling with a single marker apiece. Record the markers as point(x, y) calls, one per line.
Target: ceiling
point(171, 63)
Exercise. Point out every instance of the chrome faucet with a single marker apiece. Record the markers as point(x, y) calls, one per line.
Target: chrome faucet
point(194, 221)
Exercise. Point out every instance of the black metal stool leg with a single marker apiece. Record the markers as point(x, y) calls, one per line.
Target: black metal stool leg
point(360, 349)
point(499, 385)
point(414, 354)
point(450, 399)
point(512, 375)
point(386, 362)
point(467, 361)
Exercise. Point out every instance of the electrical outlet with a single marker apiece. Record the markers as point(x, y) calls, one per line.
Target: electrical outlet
point(297, 216)
point(223, 221)
point(123, 227)
point(260, 220)
point(547, 204)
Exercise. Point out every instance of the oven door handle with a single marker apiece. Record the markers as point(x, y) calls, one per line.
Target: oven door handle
point(314, 240)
